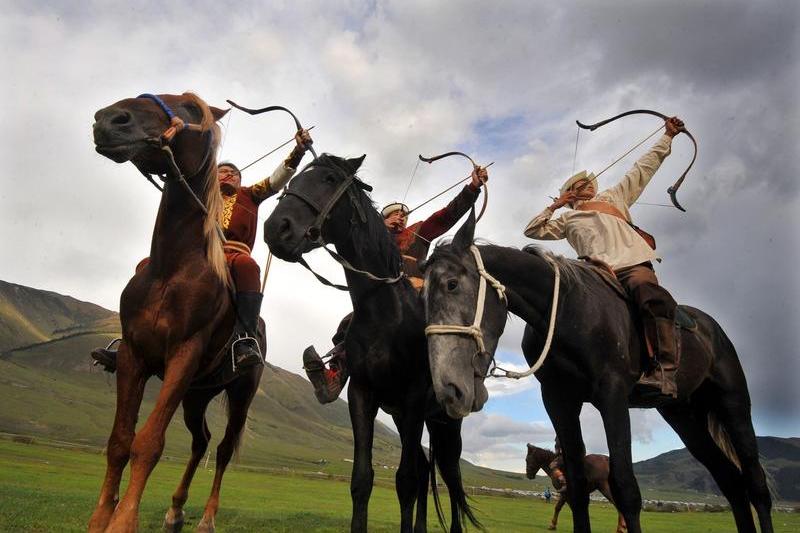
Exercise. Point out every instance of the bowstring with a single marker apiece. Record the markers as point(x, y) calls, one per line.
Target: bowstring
point(408, 187)
point(225, 130)
point(575, 155)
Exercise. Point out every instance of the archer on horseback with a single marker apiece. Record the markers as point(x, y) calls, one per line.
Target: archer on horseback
point(414, 242)
point(239, 223)
point(599, 228)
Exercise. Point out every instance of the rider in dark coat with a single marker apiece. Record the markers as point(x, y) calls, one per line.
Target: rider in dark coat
point(414, 242)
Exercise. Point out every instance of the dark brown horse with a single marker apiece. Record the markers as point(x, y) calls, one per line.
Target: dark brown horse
point(176, 312)
point(596, 356)
point(595, 466)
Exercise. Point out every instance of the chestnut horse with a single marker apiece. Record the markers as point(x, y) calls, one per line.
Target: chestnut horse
point(595, 466)
point(596, 355)
point(177, 313)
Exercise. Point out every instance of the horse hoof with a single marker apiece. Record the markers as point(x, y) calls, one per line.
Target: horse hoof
point(551, 527)
point(206, 526)
point(173, 522)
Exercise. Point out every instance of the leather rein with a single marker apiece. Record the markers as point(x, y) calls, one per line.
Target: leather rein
point(313, 232)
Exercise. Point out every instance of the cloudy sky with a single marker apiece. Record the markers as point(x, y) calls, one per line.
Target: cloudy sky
point(503, 81)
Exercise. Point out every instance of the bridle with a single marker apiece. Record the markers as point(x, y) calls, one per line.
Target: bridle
point(474, 330)
point(313, 232)
point(483, 363)
point(164, 141)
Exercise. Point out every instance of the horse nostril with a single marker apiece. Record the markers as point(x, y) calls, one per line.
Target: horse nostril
point(313, 233)
point(121, 118)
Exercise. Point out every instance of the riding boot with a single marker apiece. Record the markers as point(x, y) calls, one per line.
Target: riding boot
point(106, 357)
point(327, 382)
point(661, 374)
point(246, 351)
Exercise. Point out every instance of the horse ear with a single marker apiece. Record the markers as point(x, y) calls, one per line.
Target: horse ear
point(530, 446)
point(218, 113)
point(466, 233)
point(354, 164)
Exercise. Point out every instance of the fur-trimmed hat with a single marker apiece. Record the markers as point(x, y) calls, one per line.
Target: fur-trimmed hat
point(394, 206)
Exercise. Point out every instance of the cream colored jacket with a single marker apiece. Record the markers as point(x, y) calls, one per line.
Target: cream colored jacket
point(601, 236)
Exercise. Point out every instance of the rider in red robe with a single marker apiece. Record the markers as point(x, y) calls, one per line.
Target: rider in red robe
point(239, 222)
point(414, 242)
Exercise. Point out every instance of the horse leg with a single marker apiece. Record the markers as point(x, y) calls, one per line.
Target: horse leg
point(363, 408)
point(406, 482)
point(734, 413)
point(194, 416)
point(565, 415)
point(423, 475)
point(605, 490)
point(148, 444)
point(131, 380)
point(613, 406)
point(562, 499)
point(240, 395)
point(692, 427)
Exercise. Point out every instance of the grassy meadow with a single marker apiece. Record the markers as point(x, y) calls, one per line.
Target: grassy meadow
point(45, 488)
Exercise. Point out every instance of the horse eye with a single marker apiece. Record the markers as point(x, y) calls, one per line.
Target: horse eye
point(452, 284)
point(330, 178)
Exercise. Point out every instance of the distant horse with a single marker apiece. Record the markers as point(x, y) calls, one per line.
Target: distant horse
point(596, 356)
point(595, 466)
point(177, 313)
point(385, 343)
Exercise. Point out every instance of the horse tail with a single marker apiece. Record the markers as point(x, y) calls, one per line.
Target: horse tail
point(434, 489)
point(445, 453)
point(237, 438)
point(720, 436)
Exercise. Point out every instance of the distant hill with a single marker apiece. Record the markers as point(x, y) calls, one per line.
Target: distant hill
point(49, 389)
point(677, 470)
point(29, 316)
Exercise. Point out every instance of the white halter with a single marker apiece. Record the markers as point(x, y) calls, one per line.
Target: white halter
point(475, 331)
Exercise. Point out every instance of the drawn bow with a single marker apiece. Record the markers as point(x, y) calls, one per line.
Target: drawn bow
point(672, 190)
point(475, 166)
point(273, 108)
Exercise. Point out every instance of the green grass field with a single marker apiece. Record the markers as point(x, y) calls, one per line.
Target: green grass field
point(44, 488)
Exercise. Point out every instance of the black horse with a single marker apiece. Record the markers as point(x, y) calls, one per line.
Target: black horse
point(596, 356)
point(386, 348)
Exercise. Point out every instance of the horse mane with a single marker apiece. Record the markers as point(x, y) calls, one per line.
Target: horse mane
point(211, 195)
point(573, 271)
point(370, 238)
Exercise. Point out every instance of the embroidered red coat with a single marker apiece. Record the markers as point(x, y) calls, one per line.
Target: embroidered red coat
point(415, 240)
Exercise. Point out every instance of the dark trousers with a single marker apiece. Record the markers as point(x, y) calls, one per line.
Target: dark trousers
point(653, 300)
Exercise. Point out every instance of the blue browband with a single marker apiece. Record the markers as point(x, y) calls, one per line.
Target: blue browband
point(161, 104)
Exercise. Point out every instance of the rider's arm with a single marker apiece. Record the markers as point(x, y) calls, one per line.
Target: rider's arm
point(444, 219)
point(281, 176)
point(272, 184)
point(631, 186)
point(543, 228)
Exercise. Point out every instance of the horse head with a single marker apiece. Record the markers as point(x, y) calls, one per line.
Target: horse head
point(310, 211)
point(537, 459)
point(136, 129)
point(459, 358)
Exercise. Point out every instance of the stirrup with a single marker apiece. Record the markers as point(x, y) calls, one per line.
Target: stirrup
point(242, 338)
point(104, 359)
